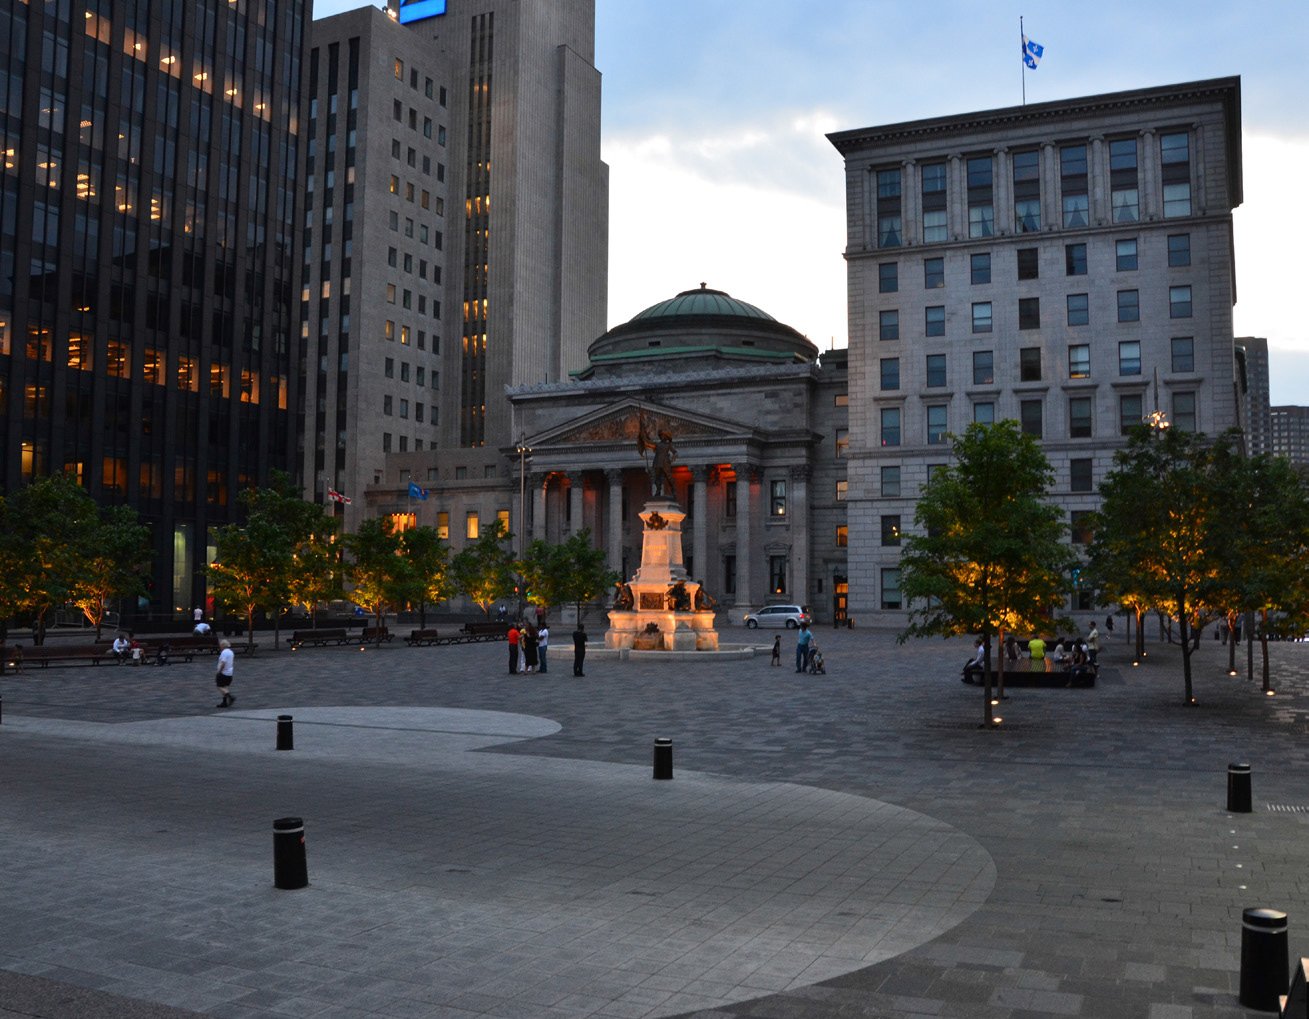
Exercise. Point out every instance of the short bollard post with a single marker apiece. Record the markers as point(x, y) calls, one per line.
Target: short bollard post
point(663, 758)
point(285, 737)
point(1264, 966)
point(1238, 788)
point(289, 867)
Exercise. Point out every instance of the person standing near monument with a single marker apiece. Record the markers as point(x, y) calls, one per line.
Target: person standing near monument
point(513, 649)
point(579, 649)
point(542, 643)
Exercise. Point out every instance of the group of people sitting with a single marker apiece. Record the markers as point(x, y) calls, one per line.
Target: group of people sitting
point(1074, 656)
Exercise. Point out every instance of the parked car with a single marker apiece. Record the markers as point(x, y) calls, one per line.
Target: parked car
point(790, 616)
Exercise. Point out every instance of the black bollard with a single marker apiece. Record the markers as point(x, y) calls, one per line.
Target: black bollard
point(663, 758)
point(289, 867)
point(1238, 788)
point(1264, 969)
point(285, 737)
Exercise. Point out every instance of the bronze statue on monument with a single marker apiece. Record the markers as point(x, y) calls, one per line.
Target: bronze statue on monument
point(661, 467)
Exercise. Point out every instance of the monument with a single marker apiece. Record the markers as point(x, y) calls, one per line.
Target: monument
point(661, 608)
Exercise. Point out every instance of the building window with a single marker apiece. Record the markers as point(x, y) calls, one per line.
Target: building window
point(890, 482)
point(1079, 361)
point(888, 277)
point(842, 536)
point(935, 370)
point(842, 490)
point(841, 400)
point(1029, 265)
point(890, 373)
point(888, 209)
point(1179, 250)
point(1129, 357)
point(1079, 529)
point(888, 325)
point(980, 268)
point(1129, 306)
point(984, 413)
point(890, 587)
point(1074, 259)
point(443, 525)
point(1029, 414)
point(386, 442)
point(387, 402)
point(1027, 192)
point(1079, 309)
point(981, 316)
point(1080, 478)
point(842, 442)
point(983, 368)
point(1125, 254)
point(1183, 351)
point(1129, 412)
point(729, 574)
point(934, 320)
point(891, 531)
point(1029, 313)
point(936, 424)
point(777, 498)
point(1124, 198)
point(1179, 302)
point(472, 527)
point(1184, 411)
point(1029, 364)
point(1175, 165)
point(934, 224)
point(933, 273)
point(777, 574)
point(890, 426)
point(1072, 186)
point(1079, 417)
point(981, 207)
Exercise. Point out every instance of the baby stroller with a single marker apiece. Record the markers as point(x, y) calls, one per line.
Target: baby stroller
point(816, 665)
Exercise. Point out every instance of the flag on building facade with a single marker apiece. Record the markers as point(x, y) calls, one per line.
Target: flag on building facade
point(1032, 52)
point(340, 497)
point(417, 493)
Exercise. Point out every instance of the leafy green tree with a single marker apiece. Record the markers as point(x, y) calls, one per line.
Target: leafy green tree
point(572, 572)
point(250, 569)
point(377, 567)
point(116, 563)
point(991, 557)
point(484, 570)
point(429, 561)
point(1152, 534)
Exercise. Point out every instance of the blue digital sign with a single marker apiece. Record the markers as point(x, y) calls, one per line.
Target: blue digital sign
point(417, 10)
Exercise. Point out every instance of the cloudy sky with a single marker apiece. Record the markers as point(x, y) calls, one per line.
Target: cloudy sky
point(715, 113)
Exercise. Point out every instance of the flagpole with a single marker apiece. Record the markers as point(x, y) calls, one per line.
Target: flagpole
point(1022, 47)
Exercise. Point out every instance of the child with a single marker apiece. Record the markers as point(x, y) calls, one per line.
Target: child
point(777, 651)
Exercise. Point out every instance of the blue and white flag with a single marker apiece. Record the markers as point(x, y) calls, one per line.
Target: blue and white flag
point(1032, 52)
point(417, 493)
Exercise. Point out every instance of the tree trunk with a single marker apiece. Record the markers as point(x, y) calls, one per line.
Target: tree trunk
point(1231, 646)
point(250, 628)
point(1000, 671)
point(1186, 649)
point(1263, 644)
point(422, 615)
point(1140, 634)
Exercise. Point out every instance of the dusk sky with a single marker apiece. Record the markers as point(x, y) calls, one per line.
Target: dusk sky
point(715, 113)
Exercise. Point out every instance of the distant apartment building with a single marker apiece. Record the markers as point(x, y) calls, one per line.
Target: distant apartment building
point(1068, 265)
point(149, 185)
point(1289, 433)
point(1252, 365)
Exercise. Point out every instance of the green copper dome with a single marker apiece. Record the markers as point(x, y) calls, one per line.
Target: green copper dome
point(703, 302)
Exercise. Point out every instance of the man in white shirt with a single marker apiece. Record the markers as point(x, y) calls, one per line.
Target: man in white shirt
point(226, 668)
point(542, 642)
point(120, 647)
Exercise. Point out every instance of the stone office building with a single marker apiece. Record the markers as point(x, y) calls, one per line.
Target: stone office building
point(1067, 264)
point(759, 423)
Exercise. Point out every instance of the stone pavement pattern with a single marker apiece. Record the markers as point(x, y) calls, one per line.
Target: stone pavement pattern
point(1078, 862)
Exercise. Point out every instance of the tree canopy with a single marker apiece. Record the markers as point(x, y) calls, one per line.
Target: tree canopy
point(571, 572)
point(484, 569)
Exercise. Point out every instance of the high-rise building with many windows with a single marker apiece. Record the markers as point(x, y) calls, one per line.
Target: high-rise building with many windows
point(1068, 265)
point(1252, 375)
point(149, 188)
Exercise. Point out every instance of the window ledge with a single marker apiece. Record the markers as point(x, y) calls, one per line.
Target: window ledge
point(988, 391)
point(1079, 385)
point(930, 394)
point(1031, 387)
point(1139, 382)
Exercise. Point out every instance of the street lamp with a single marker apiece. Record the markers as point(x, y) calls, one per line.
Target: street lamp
point(524, 451)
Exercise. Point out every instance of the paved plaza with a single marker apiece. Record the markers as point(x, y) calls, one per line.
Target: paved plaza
point(481, 844)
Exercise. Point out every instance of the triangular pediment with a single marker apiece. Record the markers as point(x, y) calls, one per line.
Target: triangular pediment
point(619, 424)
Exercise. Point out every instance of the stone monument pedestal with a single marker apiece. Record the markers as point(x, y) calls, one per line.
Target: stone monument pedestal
point(662, 616)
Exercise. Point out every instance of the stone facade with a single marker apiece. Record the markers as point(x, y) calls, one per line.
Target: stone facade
point(1067, 264)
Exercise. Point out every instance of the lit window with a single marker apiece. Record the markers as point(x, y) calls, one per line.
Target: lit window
point(777, 498)
point(472, 527)
point(891, 530)
point(1079, 361)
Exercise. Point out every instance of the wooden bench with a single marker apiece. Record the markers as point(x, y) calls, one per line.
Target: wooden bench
point(485, 631)
point(318, 638)
point(376, 635)
point(44, 654)
point(1023, 676)
point(423, 638)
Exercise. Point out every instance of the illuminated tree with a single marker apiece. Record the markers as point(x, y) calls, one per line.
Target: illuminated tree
point(115, 563)
point(484, 570)
point(571, 572)
point(429, 581)
point(250, 569)
point(991, 557)
point(377, 567)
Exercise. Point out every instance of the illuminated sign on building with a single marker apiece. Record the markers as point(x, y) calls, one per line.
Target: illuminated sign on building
point(417, 10)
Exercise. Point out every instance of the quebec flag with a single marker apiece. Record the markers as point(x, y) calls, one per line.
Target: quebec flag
point(1032, 52)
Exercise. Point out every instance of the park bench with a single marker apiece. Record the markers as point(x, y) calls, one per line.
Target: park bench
point(318, 638)
point(485, 631)
point(44, 654)
point(376, 635)
point(423, 638)
point(1024, 677)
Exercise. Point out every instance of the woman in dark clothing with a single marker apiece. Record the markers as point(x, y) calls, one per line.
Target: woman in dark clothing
point(529, 638)
point(579, 649)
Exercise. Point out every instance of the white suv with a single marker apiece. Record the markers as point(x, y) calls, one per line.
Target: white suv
point(790, 616)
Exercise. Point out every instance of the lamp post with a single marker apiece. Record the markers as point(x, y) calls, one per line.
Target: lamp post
point(524, 451)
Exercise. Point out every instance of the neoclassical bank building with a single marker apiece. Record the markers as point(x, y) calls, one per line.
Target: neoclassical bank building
point(758, 420)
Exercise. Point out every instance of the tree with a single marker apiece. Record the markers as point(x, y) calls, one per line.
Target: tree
point(1152, 534)
point(251, 567)
point(571, 572)
point(484, 570)
point(991, 557)
point(429, 561)
point(377, 568)
point(116, 563)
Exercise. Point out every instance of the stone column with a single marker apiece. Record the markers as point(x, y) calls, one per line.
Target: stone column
point(539, 483)
point(1098, 181)
point(744, 538)
point(576, 489)
point(1199, 196)
point(798, 513)
point(1149, 179)
point(615, 526)
point(957, 197)
point(700, 523)
point(911, 217)
point(1052, 205)
point(1003, 194)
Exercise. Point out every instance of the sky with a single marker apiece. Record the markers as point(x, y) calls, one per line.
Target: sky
point(715, 114)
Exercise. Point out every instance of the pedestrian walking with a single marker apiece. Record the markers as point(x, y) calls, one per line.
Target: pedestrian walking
point(1093, 643)
point(802, 643)
point(513, 649)
point(542, 643)
point(579, 649)
point(226, 670)
point(777, 651)
point(1109, 624)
